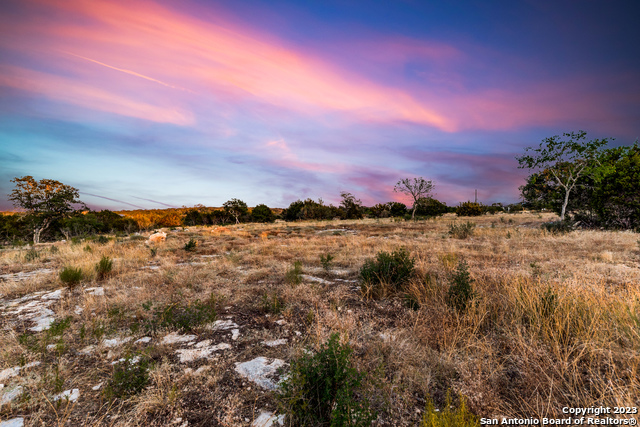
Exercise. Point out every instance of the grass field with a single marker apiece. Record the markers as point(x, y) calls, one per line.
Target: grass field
point(554, 321)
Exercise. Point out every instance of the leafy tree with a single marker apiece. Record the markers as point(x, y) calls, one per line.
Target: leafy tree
point(351, 206)
point(428, 206)
point(262, 213)
point(566, 160)
point(44, 201)
point(417, 188)
point(236, 208)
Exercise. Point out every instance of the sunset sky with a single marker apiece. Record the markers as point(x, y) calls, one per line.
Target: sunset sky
point(153, 104)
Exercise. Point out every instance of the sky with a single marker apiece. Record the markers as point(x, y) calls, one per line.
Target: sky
point(156, 103)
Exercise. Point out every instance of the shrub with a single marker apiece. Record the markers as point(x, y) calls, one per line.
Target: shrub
point(558, 227)
point(470, 209)
point(31, 255)
point(388, 270)
point(104, 267)
point(103, 240)
point(325, 260)
point(191, 245)
point(459, 417)
point(323, 388)
point(460, 290)
point(129, 378)
point(88, 248)
point(428, 206)
point(272, 303)
point(294, 276)
point(262, 213)
point(461, 231)
point(71, 276)
point(185, 317)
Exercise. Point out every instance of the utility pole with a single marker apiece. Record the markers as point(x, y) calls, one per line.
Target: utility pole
point(476, 196)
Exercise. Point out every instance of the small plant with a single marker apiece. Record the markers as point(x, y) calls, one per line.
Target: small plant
point(31, 255)
point(536, 270)
point(460, 290)
point(461, 231)
point(388, 270)
point(103, 240)
point(191, 245)
point(272, 303)
point(548, 302)
point(325, 389)
point(88, 248)
point(185, 317)
point(71, 276)
point(54, 250)
point(326, 260)
point(153, 252)
point(104, 267)
point(558, 227)
point(458, 417)
point(129, 378)
point(294, 276)
point(76, 240)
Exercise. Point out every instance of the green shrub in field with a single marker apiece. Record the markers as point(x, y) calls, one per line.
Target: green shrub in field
point(325, 389)
point(388, 273)
point(461, 231)
point(191, 245)
point(558, 227)
point(470, 209)
point(71, 276)
point(461, 289)
point(448, 417)
point(294, 276)
point(104, 267)
point(325, 260)
point(31, 255)
point(272, 304)
point(103, 240)
point(129, 378)
point(184, 316)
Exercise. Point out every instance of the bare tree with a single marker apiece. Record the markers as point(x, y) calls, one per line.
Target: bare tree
point(417, 188)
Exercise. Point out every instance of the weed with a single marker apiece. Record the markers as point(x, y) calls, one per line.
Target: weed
point(459, 417)
point(103, 240)
point(31, 255)
point(272, 303)
point(185, 317)
point(460, 290)
point(461, 231)
point(129, 378)
point(322, 389)
point(548, 303)
point(326, 260)
point(153, 251)
point(294, 276)
point(54, 250)
point(558, 227)
point(88, 248)
point(388, 272)
point(76, 240)
point(58, 327)
point(71, 276)
point(536, 270)
point(104, 267)
point(191, 245)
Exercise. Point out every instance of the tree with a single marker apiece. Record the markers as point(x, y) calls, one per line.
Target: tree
point(262, 213)
point(44, 201)
point(351, 206)
point(236, 208)
point(428, 206)
point(567, 160)
point(417, 188)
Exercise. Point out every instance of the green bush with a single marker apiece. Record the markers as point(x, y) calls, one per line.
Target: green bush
point(104, 267)
point(388, 272)
point(103, 240)
point(272, 303)
point(470, 209)
point(129, 378)
point(458, 417)
point(325, 260)
point(71, 276)
point(461, 231)
point(31, 255)
point(191, 245)
point(262, 213)
point(325, 389)
point(461, 289)
point(558, 227)
point(294, 276)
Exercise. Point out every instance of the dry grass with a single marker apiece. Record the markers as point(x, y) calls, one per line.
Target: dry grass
point(555, 321)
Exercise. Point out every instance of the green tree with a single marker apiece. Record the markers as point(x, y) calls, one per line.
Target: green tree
point(351, 206)
point(262, 213)
point(236, 208)
point(428, 206)
point(566, 159)
point(417, 188)
point(44, 201)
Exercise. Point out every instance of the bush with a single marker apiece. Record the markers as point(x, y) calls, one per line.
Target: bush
point(31, 255)
point(461, 231)
point(191, 245)
point(262, 213)
point(129, 378)
point(428, 206)
point(323, 388)
point(104, 267)
point(470, 209)
point(459, 417)
point(325, 260)
point(71, 276)
point(558, 227)
point(272, 304)
point(460, 290)
point(388, 270)
point(294, 276)
point(103, 240)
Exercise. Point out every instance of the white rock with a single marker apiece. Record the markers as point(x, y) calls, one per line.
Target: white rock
point(115, 342)
point(258, 370)
point(97, 387)
point(190, 354)
point(315, 279)
point(223, 325)
point(87, 350)
point(204, 343)
point(281, 322)
point(95, 291)
point(9, 394)
point(274, 343)
point(78, 310)
point(143, 340)
point(70, 395)
point(57, 294)
point(235, 333)
point(9, 373)
point(13, 422)
point(267, 419)
point(174, 338)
